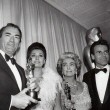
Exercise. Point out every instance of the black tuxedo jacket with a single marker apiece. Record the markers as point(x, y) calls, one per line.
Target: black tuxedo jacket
point(89, 79)
point(8, 84)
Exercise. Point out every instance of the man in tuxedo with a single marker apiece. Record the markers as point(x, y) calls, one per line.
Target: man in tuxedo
point(98, 79)
point(12, 77)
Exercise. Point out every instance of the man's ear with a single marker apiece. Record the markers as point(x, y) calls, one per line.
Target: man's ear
point(44, 62)
point(18, 47)
point(92, 57)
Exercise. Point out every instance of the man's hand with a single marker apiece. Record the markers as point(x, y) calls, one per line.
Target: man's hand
point(22, 100)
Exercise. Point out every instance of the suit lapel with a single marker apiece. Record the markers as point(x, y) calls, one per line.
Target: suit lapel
point(23, 79)
point(107, 93)
point(6, 68)
point(8, 71)
point(94, 87)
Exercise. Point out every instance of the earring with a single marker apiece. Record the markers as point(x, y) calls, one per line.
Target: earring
point(76, 76)
point(63, 77)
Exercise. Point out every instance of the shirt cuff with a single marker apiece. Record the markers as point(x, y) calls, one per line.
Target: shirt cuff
point(10, 103)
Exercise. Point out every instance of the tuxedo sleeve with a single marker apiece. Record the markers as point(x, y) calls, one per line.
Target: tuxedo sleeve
point(5, 100)
point(85, 77)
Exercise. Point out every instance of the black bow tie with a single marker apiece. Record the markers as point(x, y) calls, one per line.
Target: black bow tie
point(8, 58)
point(98, 70)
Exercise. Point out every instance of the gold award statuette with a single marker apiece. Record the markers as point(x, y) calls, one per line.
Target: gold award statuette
point(29, 75)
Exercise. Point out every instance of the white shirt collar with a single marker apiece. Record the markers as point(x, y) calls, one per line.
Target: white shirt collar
point(3, 53)
point(101, 82)
point(107, 67)
point(14, 70)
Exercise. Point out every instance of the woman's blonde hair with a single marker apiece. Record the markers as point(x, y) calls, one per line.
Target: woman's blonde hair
point(71, 55)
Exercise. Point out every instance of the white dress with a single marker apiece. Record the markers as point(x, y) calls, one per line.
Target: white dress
point(50, 85)
point(80, 102)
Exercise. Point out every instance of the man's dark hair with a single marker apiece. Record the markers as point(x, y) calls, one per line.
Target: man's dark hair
point(10, 25)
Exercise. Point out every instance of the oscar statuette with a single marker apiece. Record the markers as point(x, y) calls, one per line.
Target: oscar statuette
point(29, 75)
point(67, 91)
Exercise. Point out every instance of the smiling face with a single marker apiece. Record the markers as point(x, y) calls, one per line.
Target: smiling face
point(101, 55)
point(38, 59)
point(68, 67)
point(10, 40)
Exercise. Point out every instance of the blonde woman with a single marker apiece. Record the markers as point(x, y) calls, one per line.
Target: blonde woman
point(75, 95)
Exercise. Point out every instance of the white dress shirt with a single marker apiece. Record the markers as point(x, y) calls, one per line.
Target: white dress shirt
point(101, 82)
point(14, 71)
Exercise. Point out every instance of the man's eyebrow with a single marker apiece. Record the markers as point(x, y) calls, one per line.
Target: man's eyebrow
point(98, 51)
point(7, 33)
point(17, 35)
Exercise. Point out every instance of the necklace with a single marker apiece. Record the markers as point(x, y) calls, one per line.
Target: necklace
point(73, 88)
point(70, 89)
point(72, 85)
